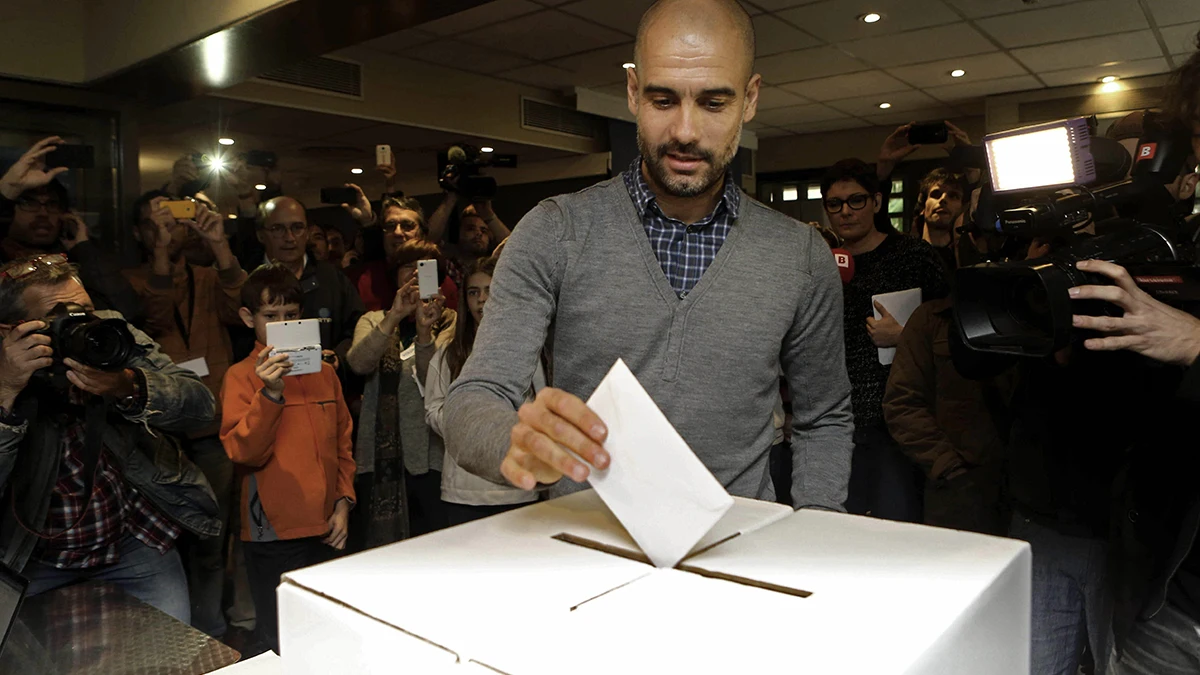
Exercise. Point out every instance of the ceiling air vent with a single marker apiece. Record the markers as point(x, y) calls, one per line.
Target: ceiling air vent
point(544, 116)
point(320, 73)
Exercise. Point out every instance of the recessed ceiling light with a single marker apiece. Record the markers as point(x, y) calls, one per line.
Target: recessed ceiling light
point(1110, 87)
point(225, 141)
point(487, 148)
point(870, 18)
point(232, 216)
point(260, 186)
point(627, 66)
point(885, 106)
point(1109, 79)
point(218, 163)
point(957, 72)
point(355, 171)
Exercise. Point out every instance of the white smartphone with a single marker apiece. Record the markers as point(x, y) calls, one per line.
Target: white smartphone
point(300, 340)
point(383, 155)
point(427, 278)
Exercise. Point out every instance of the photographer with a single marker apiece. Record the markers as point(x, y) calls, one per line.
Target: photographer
point(479, 229)
point(94, 492)
point(37, 210)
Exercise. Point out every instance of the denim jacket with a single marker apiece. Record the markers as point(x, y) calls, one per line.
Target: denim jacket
point(176, 402)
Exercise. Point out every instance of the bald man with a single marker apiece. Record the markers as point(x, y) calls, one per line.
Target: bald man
point(282, 229)
point(704, 292)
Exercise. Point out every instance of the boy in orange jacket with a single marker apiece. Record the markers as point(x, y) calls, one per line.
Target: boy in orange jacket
point(291, 435)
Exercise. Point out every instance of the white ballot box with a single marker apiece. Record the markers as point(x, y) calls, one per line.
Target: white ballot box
point(559, 587)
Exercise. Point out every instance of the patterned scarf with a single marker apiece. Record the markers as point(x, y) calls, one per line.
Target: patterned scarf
point(389, 500)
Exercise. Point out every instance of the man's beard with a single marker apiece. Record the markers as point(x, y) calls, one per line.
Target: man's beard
point(686, 186)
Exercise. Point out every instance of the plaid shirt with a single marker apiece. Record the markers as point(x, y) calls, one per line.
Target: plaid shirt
point(684, 251)
point(88, 534)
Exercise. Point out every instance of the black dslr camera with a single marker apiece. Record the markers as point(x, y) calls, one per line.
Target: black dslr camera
point(458, 171)
point(1050, 182)
point(75, 333)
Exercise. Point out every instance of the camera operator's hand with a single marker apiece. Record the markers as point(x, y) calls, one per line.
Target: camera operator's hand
point(895, 148)
point(361, 210)
point(74, 230)
point(956, 137)
point(116, 385)
point(23, 352)
point(884, 332)
point(29, 172)
point(271, 369)
point(1149, 327)
point(551, 424)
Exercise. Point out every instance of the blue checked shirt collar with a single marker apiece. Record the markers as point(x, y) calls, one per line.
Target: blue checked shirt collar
point(644, 199)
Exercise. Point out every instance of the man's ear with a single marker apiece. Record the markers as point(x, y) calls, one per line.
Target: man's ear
point(247, 317)
point(631, 90)
point(751, 107)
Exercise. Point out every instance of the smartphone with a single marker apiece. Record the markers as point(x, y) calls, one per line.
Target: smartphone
point(339, 195)
point(383, 155)
point(182, 209)
point(301, 341)
point(427, 278)
point(928, 133)
point(72, 157)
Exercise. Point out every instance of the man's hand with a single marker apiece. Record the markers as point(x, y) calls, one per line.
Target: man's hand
point(209, 225)
point(1149, 327)
point(896, 147)
point(74, 231)
point(351, 258)
point(29, 172)
point(329, 356)
point(116, 385)
point(884, 332)
point(339, 525)
point(271, 369)
point(361, 210)
point(388, 170)
point(183, 172)
point(407, 300)
point(22, 352)
point(956, 137)
point(552, 424)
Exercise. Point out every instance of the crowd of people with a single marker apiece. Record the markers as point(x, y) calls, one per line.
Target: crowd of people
point(423, 415)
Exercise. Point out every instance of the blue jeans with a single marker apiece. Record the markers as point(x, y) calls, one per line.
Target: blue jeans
point(205, 558)
point(154, 578)
point(1071, 604)
point(1167, 644)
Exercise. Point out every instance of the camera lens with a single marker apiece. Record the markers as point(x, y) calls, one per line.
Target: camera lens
point(105, 344)
point(1028, 304)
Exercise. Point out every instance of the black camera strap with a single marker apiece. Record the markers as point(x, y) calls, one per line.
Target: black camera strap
point(185, 330)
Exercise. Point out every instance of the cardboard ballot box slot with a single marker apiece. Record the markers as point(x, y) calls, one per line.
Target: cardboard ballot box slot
point(682, 566)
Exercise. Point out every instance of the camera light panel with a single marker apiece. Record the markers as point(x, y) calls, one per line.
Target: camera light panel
point(1047, 155)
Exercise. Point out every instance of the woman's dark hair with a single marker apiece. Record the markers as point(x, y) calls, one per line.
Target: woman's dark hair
point(1183, 93)
point(860, 172)
point(412, 251)
point(281, 285)
point(464, 332)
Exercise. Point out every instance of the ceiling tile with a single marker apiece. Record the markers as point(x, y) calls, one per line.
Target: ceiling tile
point(546, 35)
point(1089, 51)
point(979, 67)
point(776, 5)
point(837, 20)
point(869, 105)
point(772, 36)
point(958, 39)
point(978, 8)
point(828, 125)
point(750, 8)
point(1172, 12)
point(541, 75)
point(805, 64)
point(847, 86)
point(480, 15)
point(953, 93)
point(754, 125)
point(466, 57)
point(1093, 73)
point(599, 67)
point(774, 97)
point(622, 15)
point(889, 118)
point(772, 132)
point(798, 114)
point(1181, 39)
point(400, 41)
point(1069, 22)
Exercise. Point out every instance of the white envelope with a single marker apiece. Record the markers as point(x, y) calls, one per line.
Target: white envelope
point(655, 485)
point(901, 305)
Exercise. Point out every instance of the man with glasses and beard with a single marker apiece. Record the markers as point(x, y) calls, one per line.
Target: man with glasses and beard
point(37, 212)
point(884, 483)
point(704, 292)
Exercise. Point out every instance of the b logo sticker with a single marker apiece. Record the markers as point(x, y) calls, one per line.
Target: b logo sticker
point(1147, 151)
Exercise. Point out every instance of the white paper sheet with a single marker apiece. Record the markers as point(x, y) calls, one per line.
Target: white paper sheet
point(655, 485)
point(901, 306)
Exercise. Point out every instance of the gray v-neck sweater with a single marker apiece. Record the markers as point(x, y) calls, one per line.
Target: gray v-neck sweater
point(580, 277)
